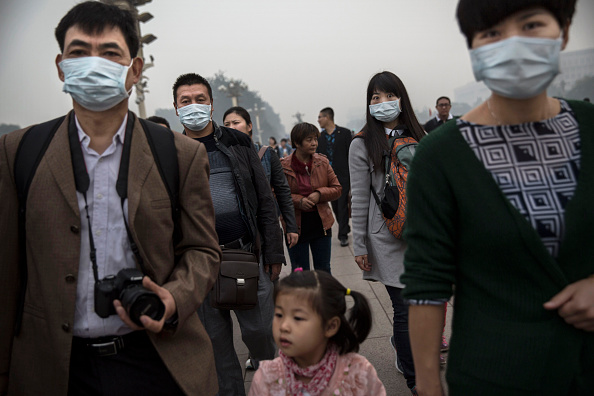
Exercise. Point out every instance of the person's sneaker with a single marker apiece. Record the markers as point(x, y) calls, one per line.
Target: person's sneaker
point(413, 390)
point(442, 360)
point(344, 241)
point(397, 361)
point(444, 344)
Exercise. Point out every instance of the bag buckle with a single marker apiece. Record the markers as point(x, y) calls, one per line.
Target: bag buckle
point(240, 282)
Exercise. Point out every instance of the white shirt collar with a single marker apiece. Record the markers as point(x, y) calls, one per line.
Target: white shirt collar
point(86, 139)
point(391, 132)
point(450, 116)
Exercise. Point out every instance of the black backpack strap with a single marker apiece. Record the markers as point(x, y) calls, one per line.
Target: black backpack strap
point(162, 143)
point(32, 147)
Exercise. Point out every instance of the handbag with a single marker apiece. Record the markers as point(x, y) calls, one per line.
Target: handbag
point(236, 286)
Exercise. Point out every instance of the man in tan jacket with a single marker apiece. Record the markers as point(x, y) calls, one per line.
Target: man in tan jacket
point(76, 236)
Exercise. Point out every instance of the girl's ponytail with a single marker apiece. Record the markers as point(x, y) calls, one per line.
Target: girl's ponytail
point(360, 319)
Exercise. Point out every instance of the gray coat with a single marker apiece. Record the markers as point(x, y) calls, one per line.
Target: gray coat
point(370, 234)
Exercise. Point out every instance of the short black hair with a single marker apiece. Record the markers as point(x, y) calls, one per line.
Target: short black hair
point(190, 79)
point(478, 15)
point(93, 16)
point(159, 120)
point(329, 112)
point(442, 97)
point(302, 131)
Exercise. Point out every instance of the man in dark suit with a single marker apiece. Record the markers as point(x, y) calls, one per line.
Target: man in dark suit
point(76, 236)
point(334, 143)
point(443, 106)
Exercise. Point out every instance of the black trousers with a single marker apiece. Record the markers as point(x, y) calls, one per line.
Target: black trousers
point(135, 370)
point(340, 207)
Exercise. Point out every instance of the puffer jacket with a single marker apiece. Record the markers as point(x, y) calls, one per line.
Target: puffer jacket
point(256, 196)
point(323, 180)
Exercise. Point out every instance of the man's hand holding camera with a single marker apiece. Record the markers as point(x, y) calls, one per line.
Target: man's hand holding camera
point(149, 324)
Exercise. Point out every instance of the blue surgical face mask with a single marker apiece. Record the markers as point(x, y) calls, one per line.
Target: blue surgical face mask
point(95, 83)
point(385, 111)
point(195, 116)
point(517, 67)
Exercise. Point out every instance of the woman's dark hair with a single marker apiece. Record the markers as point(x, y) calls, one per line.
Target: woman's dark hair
point(327, 297)
point(93, 16)
point(240, 111)
point(302, 131)
point(478, 15)
point(159, 120)
point(374, 133)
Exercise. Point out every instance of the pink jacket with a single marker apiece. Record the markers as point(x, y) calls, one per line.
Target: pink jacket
point(354, 376)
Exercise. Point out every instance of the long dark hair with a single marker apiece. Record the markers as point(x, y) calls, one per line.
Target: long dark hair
point(374, 134)
point(327, 297)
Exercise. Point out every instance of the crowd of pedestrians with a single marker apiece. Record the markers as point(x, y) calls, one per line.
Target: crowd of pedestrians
point(117, 233)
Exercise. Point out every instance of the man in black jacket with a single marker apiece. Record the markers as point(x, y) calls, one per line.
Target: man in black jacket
point(334, 143)
point(244, 210)
point(443, 107)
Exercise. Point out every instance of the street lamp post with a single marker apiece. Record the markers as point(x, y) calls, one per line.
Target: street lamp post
point(131, 5)
point(257, 111)
point(233, 89)
point(299, 117)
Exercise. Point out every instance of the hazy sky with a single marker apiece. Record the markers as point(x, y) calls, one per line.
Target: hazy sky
point(301, 55)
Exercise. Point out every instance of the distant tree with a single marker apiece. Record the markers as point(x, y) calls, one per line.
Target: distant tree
point(6, 128)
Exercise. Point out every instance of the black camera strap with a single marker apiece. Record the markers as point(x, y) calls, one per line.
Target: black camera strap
point(82, 182)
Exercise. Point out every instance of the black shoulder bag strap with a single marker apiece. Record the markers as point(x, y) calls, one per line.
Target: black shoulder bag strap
point(387, 157)
point(162, 143)
point(32, 147)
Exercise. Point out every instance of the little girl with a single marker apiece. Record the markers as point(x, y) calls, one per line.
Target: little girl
point(317, 344)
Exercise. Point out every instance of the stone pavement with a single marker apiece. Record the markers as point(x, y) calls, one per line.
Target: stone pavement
point(376, 347)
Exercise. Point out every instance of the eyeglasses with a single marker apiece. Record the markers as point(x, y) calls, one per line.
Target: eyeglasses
point(444, 105)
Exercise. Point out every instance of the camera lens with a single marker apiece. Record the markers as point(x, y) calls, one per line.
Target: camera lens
point(138, 301)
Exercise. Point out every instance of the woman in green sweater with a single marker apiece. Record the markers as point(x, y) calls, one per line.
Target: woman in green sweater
point(500, 206)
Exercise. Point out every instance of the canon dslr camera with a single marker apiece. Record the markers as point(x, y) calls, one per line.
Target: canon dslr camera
point(127, 287)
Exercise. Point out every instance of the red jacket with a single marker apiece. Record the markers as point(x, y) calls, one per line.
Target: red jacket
point(323, 180)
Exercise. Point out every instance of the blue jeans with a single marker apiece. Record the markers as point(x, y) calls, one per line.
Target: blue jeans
point(401, 339)
point(256, 333)
point(320, 250)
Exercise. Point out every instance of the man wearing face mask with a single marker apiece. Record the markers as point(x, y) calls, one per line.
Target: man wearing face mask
point(96, 207)
point(246, 218)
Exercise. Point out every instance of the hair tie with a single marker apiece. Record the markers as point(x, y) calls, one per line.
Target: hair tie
point(298, 269)
point(348, 292)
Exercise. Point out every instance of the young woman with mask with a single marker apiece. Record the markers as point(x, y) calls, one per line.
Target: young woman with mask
point(377, 252)
point(500, 206)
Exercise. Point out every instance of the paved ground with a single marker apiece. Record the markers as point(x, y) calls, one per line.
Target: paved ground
point(376, 347)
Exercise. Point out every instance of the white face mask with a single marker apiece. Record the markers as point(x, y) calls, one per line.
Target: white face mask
point(517, 67)
point(385, 111)
point(195, 116)
point(97, 84)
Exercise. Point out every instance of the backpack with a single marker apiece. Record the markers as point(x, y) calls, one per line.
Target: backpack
point(31, 150)
point(397, 163)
